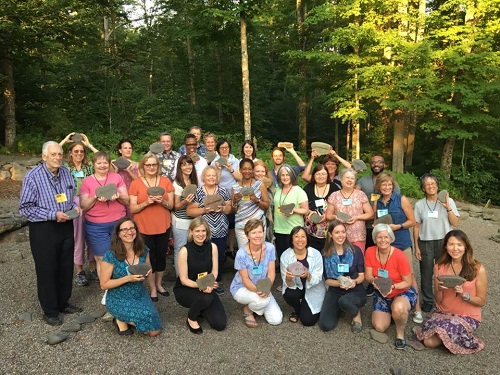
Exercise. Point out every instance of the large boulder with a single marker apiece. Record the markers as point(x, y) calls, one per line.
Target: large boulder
point(18, 172)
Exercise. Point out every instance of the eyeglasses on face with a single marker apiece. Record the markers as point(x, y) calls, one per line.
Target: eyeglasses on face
point(125, 230)
point(78, 151)
point(377, 162)
point(191, 144)
point(153, 165)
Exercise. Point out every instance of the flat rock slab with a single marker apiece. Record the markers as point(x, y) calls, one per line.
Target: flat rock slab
point(264, 285)
point(213, 201)
point(205, 281)
point(451, 281)
point(107, 191)
point(139, 269)
point(156, 191)
point(77, 137)
point(25, 317)
point(442, 196)
point(379, 336)
point(246, 191)
point(156, 148)
point(195, 157)
point(57, 337)
point(384, 285)
point(71, 327)
point(107, 317)
point(189, 189)
point(285, 144)
point(98, 313)
point(385, 219)
point(210, 156)
point(287, 209)
point(358, 165)
point(316, 218)
point(73, 214)
point(296, 268)
point(83, 319)
point(321, 148)
point(122, 163)
point(345, 282)
point(342, 216)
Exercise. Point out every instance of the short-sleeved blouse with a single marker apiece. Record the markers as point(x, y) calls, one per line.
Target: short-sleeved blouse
point(355, 232)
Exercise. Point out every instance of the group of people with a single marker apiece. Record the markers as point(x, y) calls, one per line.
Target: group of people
point(335, 242)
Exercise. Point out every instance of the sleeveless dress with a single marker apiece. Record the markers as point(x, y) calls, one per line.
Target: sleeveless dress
point(130, 302)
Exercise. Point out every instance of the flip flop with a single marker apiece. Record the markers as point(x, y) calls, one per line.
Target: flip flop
point(250, 323)
point(293, 318)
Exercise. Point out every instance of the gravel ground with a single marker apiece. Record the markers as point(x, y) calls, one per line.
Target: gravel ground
point(285, 349)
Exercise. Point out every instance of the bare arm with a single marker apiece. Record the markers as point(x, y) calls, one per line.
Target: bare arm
point(297, 158)
point(306, 174)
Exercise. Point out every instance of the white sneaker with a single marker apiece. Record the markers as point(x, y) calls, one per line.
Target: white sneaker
point(103, 300)
point(417, 317)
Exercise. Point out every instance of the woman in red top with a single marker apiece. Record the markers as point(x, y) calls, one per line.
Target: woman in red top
point(459, 308)
point(386, 261)
point(152, 215)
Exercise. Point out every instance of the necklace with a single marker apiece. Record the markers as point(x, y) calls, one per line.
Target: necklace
point(206, 189)
point(133, 260)
point(286, 195)
point(156, 181)
point(341, 193)
point(453, 269)
point(429, 207)
point(106, 180)
point(317, 193)
point(253, 257)
point(380, 259)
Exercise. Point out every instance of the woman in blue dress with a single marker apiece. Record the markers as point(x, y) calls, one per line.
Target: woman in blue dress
point(128, 299)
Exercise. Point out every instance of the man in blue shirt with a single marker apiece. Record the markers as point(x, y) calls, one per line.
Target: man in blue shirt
point(46, 197)
point(200, 148)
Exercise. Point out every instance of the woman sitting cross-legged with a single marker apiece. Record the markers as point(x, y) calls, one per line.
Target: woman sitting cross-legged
point(255, 261)
point(344, 275)
point(127, 298)
point(458, 309)
point(304, 292)
point(386, 261)
point(198, 258)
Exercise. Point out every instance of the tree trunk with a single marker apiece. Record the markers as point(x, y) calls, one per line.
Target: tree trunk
point(9, 101)
point(192, 90)
point(302, 105)
point(398, 149)
point(410, 139)
point(245, 77)
point(447, 156)
point(355, 123)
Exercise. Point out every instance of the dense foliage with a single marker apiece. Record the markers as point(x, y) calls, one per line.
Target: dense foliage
point(415, 81)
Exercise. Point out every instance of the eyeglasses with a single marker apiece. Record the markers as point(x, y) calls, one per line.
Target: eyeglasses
point(125, 230)
point(154, 165)
point(377, 162)
point(224, 148)
point(78, 151)
point(191, 144)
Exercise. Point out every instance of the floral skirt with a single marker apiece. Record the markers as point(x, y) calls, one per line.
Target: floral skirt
point(455, 331)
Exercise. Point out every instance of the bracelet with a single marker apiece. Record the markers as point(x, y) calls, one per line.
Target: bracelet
point(449, 210)
point(467, 297)
point(402, 226)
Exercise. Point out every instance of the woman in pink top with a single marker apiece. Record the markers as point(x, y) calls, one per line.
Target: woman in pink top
point(458, 312)
point(152, 215)
point(101, 214)
point(354, 203)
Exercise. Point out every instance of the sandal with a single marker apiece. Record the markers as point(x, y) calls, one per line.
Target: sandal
point(293, 318)
point(400, 344)
point(250, 323)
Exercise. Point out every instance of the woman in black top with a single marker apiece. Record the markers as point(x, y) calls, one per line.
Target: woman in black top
point(318, 191)
point(198, 258)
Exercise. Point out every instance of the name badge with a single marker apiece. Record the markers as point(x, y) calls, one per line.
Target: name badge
point(383, 212)
point(128, 272)
point(432, 214)
point(383, 273)
point(61, 198)
point(343, 268)
point(374, 197)
point(257, 270)
point(319, 203)
point(245, 198)
point(202, 274)
point(347, 202)
point(78, 174)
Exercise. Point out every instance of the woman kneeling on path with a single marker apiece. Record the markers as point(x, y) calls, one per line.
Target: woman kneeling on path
point(459, 308)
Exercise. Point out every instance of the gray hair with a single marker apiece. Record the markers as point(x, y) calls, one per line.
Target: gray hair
point(383, 228)
point(291, 172)
point(346, 170)
point(46, 145)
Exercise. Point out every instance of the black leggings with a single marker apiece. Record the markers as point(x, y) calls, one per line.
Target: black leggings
point(158, 245)
point(202, 304)
point(296, 299)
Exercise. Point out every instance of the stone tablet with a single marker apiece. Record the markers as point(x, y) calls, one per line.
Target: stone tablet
point(285, 144)
point(195, 157)
point(386, 219)
point(321, 148)
point(84, 319)
point(451, 281)
point(442, 196)
point(345, 282)
point(222, 161)
point(384, 284)
point(71, 327)
point(189, 189)
point(73, 214)
point(343, 216)
point(287, 209)
point(77, 137)
point(205, 281)
point(246, 191)
point(268, 182)
point(358, 165)
point(139, 269)
point(264, 285)
point(210, 156)
point(156, 148)
point(296, 268)
point(57, 337)
point(156, 191)
point(315, 218)
point(121, 163)
point(213, 201)
point(107, 191)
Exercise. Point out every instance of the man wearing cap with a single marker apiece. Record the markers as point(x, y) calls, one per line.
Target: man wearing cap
point(200, 147)
point(46, 196)
point(168, 157)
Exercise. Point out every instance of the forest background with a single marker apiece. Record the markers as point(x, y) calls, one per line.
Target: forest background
point(417, 81)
